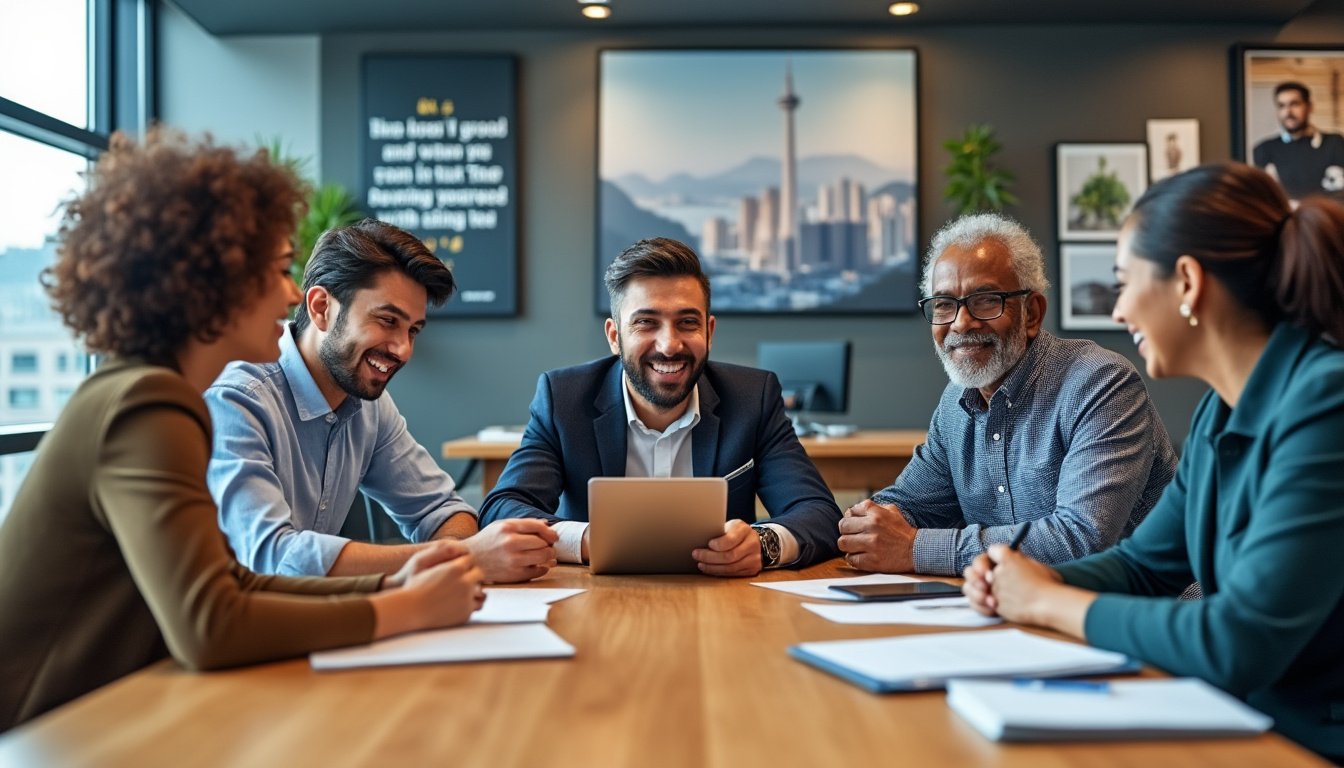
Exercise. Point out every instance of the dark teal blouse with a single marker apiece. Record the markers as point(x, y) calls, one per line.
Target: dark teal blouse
point(1256, 515)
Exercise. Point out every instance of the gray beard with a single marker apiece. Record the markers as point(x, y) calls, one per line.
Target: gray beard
point(969, 375)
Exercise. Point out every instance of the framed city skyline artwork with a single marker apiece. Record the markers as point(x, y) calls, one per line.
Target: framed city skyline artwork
point(792, 173)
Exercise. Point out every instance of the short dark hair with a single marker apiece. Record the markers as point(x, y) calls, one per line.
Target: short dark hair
point(652, 257)
point(1278, 262)
point(349, 259)
point(172, 236)
point(1293, 85)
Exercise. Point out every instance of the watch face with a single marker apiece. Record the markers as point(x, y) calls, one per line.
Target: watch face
point(769, 546)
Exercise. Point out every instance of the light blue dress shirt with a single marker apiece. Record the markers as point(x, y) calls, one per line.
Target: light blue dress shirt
point(286, 468)
point(1069, 441)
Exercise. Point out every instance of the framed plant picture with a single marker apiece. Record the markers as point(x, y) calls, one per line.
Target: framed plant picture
point(792, 173)
point(1087, 286)
point(1287, 117)
point(1096, 185)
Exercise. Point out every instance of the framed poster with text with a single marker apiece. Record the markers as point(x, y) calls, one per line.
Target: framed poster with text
point(440, 160)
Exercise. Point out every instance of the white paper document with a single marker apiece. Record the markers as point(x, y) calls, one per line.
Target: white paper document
point(485, 642)
point(820, 589)
point(1131, 709)
point(938, 611)
point(513, 605)
point(920, 662)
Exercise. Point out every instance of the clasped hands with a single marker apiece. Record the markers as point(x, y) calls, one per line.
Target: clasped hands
point(877, 537)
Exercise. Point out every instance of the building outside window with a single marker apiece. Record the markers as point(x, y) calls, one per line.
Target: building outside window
point(71, 71)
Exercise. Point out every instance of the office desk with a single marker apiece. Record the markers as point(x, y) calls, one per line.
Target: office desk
point(670, 671)
point(868, 460)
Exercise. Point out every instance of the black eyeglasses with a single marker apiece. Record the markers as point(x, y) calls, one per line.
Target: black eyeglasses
point(983, 305)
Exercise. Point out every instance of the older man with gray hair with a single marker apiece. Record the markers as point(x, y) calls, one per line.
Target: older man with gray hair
point(1054, 436)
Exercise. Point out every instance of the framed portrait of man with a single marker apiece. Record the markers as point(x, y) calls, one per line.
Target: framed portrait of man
point(1289, 115)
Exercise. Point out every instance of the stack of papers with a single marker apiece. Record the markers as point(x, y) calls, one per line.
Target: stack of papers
point(509, 626)
point(500, 434)
point(515, 605)
point(923, 662)
point(820, 589)
point(1134, 709)
point(483, 642)
point(939, 611)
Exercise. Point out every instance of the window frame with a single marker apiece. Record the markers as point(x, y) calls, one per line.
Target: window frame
point(121, 35)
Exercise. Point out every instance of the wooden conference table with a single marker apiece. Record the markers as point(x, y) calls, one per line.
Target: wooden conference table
point(670, 671)
point(867, 460)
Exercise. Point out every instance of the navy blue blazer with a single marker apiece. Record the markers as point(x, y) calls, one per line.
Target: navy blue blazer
point(577, 430)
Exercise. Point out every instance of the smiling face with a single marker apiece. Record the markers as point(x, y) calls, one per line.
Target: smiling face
point(979, 354)
point(373, 335)
point(663, 338)
point(254, 332)
point(1148, 305)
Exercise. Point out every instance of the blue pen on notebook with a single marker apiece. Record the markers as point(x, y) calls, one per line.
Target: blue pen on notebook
point(1063, 686)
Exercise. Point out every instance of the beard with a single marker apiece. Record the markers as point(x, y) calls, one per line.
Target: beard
point(968, 374)
point(343, 360)
point(661, 396)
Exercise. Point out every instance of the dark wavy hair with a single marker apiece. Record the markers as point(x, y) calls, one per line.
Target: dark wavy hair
point(171, 237)
point(652, 257)
point(1280, 263)
point(349, 259)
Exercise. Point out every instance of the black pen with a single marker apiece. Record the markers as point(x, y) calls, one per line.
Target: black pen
point(1019, 536)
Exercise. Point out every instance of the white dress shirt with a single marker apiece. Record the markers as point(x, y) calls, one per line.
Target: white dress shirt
point(650, 453)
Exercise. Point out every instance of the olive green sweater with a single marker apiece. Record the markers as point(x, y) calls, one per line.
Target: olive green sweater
point(111, 557)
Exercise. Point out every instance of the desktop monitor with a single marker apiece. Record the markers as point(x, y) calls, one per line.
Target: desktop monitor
point(814, 375)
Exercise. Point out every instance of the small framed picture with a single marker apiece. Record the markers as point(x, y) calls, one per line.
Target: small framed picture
point(1287, 115)
point(1087, 286)
point(1173, 146)
point(1097, 185)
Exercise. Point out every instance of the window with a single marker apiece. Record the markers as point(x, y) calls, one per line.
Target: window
point(24, 398)
point(23, 362)
point(71, 72)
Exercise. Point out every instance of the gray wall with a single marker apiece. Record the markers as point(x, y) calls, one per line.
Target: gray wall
point(1037, 85)
point(240, 89)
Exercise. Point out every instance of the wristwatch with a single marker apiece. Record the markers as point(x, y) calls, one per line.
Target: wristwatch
point(769, 546)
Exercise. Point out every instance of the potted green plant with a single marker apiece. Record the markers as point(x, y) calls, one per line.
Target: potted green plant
point(974, 183)
point(329, 205)
point(1101, 200)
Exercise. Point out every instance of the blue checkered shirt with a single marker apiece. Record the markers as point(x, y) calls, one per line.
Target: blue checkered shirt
point(1069, 442)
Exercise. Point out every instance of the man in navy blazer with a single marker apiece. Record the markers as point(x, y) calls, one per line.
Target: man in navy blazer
point(658, 408)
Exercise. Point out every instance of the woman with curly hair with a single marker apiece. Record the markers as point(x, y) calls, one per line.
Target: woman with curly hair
point(174, 262)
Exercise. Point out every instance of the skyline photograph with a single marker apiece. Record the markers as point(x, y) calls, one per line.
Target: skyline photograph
point(791, 172)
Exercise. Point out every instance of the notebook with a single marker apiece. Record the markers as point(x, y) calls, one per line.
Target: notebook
point(1130, 709)
point(926, 662)
point(651, 524)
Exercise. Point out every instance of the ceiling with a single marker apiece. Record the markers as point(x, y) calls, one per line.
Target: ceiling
point(253, 17)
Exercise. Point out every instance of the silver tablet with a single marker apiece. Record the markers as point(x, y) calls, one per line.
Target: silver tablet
point(651, 524)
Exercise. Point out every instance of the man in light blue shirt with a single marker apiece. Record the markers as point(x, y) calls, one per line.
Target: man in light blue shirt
point(296, 440)
point(1054, 434)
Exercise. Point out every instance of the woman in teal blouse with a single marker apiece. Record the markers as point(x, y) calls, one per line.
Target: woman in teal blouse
point(1220, 279)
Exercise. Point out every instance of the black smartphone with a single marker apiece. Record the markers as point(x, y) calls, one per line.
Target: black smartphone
point(918, 590)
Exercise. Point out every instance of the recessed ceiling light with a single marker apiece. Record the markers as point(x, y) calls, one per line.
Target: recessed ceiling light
point(903, 9)
point(595, 11)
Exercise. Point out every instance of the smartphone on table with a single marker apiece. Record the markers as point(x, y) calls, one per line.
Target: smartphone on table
point(918, 590)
